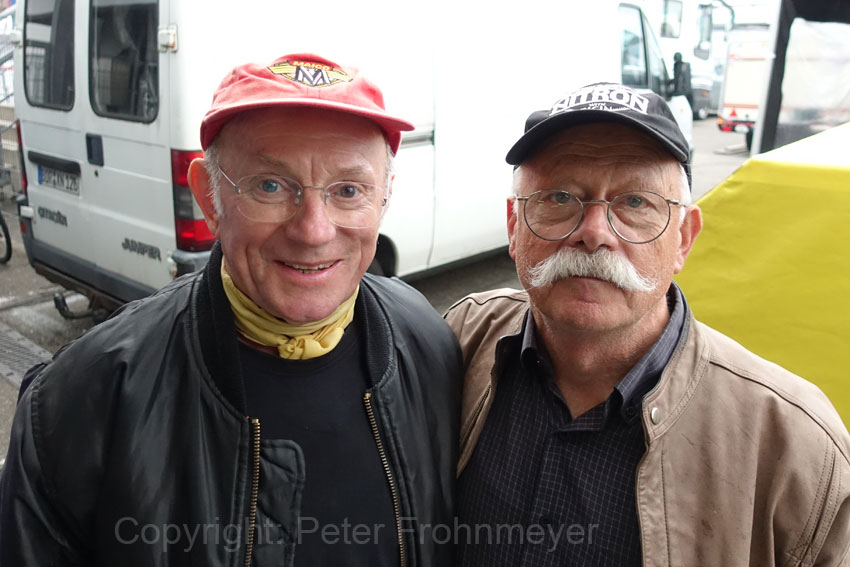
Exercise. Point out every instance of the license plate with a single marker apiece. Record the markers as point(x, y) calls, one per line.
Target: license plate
point(59, 179)
point(741, 128)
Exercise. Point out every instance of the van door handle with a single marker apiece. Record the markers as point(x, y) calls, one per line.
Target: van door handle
point(94, 149)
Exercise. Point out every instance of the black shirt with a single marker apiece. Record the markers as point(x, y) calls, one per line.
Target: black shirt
point(543, 488)
point(346, 512)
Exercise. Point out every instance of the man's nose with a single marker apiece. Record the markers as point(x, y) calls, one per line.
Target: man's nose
point(311, 224)
point(594, 231)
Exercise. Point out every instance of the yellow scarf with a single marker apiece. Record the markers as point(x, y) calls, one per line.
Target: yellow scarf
point(292, 341)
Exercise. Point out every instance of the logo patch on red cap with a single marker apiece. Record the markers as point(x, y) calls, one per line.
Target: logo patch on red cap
point(310, 73)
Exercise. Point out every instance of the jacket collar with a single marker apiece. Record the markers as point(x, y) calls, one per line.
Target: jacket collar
point(666, 402)
point(217, 332)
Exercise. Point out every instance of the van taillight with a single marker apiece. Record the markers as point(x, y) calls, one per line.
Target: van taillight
point(192, 232)
point(21, 157)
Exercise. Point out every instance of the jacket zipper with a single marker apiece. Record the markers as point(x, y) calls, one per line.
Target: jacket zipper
point(255, 490)
point(367, 399)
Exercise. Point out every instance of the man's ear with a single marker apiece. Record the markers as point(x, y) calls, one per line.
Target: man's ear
point(512, 220)
point(389, 190)
point(688, 232)
point(199, 183)
point(389, 197)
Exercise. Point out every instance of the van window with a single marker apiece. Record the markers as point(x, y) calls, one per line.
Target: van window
point(706, 23)
point(672, 24)
point(123, 69)
point(49, 53)
point(657, 68)
point(634, 54)
point(705, 26)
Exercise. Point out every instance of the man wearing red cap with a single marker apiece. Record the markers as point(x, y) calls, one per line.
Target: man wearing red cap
point(603, 425)
point(280, 407)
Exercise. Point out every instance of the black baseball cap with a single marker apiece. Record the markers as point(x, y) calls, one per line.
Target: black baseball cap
point(604, 102)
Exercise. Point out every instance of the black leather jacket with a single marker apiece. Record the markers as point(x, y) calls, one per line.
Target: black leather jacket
point(132, 446)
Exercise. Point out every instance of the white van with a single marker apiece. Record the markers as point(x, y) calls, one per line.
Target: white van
point(110, 95)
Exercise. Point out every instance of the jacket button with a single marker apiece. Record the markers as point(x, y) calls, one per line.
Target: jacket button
point(655, 415)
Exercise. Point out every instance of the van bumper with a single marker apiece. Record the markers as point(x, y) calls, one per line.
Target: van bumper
point(105, 288)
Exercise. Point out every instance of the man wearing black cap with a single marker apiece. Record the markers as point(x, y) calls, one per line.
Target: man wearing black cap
point(601, 423)
point(277, 408)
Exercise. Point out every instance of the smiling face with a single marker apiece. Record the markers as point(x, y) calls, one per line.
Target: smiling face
point(301, 269)
point(600, 161)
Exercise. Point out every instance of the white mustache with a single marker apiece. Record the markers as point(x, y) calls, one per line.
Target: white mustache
point(601, 264)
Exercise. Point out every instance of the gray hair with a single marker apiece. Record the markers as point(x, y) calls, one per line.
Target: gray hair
point(684, 187)
point(212, 164)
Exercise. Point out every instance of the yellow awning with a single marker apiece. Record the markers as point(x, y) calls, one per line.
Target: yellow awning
point(771, 268)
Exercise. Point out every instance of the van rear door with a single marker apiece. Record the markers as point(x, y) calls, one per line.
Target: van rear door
point(47, 87)
point(127, 167)
point(95, 138)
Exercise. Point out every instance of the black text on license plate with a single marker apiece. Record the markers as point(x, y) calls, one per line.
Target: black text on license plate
point(59, 179)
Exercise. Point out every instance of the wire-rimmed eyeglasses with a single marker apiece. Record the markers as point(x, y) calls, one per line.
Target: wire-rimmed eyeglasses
point(637, 217)
point(268, 197)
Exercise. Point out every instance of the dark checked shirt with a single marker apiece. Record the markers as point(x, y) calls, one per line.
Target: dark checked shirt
point(544, 488)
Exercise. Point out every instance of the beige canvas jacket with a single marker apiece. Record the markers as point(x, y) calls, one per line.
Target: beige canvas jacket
point(745, 463)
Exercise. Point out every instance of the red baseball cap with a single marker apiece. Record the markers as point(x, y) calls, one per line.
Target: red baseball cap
point(300, 79)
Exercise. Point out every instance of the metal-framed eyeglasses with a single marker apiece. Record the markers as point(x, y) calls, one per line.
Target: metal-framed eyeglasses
point(637, 217)
point(267, 197)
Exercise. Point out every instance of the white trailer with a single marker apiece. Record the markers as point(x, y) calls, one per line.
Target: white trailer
point(747, 68)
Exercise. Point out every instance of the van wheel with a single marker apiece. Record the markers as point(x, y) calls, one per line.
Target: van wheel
point(701, 114)
point(5, 241)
